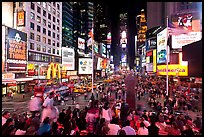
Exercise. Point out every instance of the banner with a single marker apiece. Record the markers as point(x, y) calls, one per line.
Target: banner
point(161, 46)
point(184, 39)
point(85, 65)
point(68, 58)
point(16, 50)
point(173, 70)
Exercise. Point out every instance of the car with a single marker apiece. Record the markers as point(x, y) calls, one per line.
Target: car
point(79, 90)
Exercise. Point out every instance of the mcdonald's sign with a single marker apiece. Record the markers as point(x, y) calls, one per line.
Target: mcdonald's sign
point(54, 69)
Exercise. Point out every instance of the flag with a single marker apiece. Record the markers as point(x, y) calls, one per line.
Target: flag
point(175, 30)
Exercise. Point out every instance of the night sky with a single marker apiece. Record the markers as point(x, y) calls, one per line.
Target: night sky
point(133, 8)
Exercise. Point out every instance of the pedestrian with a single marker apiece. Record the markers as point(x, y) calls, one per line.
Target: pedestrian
point(142, 129)
point(5, 116)
point(34, 104)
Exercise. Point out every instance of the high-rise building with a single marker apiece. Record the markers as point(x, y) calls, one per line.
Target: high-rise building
point(43, 25)
point(67, 24)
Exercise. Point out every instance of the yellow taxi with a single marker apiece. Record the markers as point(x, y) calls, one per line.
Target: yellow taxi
point(79, 90)
point(108, 80)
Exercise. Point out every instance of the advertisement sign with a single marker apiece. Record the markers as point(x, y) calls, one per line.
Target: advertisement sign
point(21, 18)
point(85, 66)
point(123, 58)
point(31, 69)
point(184, 39)
point(3, 48)
point(68, 58)
point(71, 73)
point(161, 46)
point(95, 47)
point(151, 43)
point(16, 50)
point(53, 71)
point(103, 50)
point(149, 67)
point(8, 76)
point(173, 70)
point(81, 43)
point(154, 60)
point(102, 63)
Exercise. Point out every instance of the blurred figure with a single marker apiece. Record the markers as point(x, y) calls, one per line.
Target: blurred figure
point(8, 128)
point(45, 127)
point(34, 105)
point(5, 116)
point(142, 129)
point(128, 129)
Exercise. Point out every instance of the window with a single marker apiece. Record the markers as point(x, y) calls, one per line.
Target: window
point(44, 13)
point(44, 31)
point(57, 37)
point(32, 46)
point(49, 8)
point(54, 11)
point(32, 35)
point(53, 26)
point(44, 4)
point(32, 6)
point(58, 14)
point(53, 35)
point(53, 51)
point(44, 22)
point(38, 3)
point(20, 4)
point(53, 19)
point(32, 16)
point(57, 29)
point(58, 7)
point(44, 39)
point(49, 16)
point(54, 3)
point(38, 28)
point(49, 41)
point(49, 50)
point(58, 21)
point(38, 38)
point(44, 49)
point(39, 10)
point(53, 43)
point(32, 26)
point(38, 47)
point(57, 52)
point(49, 33)
point(38, 19)
point(49, 24)
point(57, 44)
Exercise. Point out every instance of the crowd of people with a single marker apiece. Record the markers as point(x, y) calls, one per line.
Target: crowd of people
point(109, 115)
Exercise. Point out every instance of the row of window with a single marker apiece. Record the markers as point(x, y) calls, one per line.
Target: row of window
point(39, 47)
point(44, 39)
point(42, 57)
point(45, 5)
point(32, 26)
point(44, 22)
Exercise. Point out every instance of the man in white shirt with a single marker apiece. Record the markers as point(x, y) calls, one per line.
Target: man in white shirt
point(128, 129)
point(114, 127)
point(35, 105)
point(5, 116)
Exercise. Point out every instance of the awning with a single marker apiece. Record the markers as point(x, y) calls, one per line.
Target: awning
point(5, 81)
point(23, 79)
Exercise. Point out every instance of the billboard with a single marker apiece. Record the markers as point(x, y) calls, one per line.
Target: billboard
point(68, 58)
point(173, 70)
point(161, 46)
point(16, 50)
point(21, 18)
point(123, 58)
point(103, 50)
point(149, 67)
point(81, 43)
point(3, 48)
point(95, 47)
point(102, 63)
point(151, 43)
point(85, 66)
point(154, 60)
point(184, 39)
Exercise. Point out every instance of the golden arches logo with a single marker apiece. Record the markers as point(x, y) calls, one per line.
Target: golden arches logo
point(55, 68)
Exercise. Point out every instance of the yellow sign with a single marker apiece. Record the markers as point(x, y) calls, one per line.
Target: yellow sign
point(55, 69)
point(173, 70)
point(31, 66)
point(154, 60)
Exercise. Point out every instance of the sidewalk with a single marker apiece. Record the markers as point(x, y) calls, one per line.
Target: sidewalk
point(17, 97)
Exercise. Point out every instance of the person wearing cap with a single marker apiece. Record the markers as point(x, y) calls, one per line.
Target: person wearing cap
point(34, 104)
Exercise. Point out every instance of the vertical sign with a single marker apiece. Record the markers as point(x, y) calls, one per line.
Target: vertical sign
point(21, 18)
point(154, 60)
point(3, 48)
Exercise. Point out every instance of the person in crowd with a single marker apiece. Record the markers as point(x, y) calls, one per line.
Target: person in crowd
point(35, 104)
point(21, 129)
point(153, 130)
point(198, 122)
point(5, 116)
point(106, 112)
point(45, 128)
point(48, 107)
point(55, 130)
point(128, 129)
point(121, 132)
point(74, 129)
point(142, 129)
point(8, 127)
point(100, 124)
point(81, 121)
point(61, 116)
point(174, 130)
point(187, 131)
point(105, 130)
point(114, 127)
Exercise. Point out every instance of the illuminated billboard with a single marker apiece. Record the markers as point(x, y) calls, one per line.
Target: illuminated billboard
point(184, 39)
point(16, 50)
point(21, 18)
point(85, 66)
point(173, 70)
point(68, 58)
point(161, 46)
